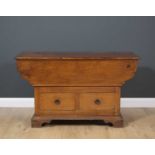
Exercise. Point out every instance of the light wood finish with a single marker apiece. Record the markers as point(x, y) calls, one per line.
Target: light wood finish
point(97, 101)
point(77, 72)
point(138, 123)
point(77, 85)
point(77, 68)
point(57, 101)
point(35, 55)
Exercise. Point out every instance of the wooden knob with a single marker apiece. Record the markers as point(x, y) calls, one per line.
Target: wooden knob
point(128, 66)
point(57, 101)
point(97, 102)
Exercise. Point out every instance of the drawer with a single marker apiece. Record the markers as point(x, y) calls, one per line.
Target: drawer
point(97, 101)
point(57, 101)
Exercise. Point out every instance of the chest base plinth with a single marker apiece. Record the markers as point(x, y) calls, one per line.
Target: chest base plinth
point(40, 121)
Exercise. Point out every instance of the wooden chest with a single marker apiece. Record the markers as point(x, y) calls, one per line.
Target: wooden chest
point(77, 85)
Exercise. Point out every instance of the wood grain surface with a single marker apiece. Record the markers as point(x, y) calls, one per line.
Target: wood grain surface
point(67, 85)
point(76, 55)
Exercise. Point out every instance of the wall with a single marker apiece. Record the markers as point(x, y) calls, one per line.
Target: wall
point(77, 34)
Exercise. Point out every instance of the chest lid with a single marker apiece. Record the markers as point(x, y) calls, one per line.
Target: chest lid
point(76, 55)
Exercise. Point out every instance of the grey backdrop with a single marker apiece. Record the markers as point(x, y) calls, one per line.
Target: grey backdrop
point(77, 34)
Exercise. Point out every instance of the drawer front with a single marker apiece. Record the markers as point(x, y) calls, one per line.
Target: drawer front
point(97, 102)
point(57, 101)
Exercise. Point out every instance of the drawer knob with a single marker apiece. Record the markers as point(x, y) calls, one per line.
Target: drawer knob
point(57, 102)
point(97, 102)
point(128, 66)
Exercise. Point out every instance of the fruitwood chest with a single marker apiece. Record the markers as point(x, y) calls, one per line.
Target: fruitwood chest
point(77, 86)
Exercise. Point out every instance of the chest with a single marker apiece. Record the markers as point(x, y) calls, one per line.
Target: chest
point(77, 85)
